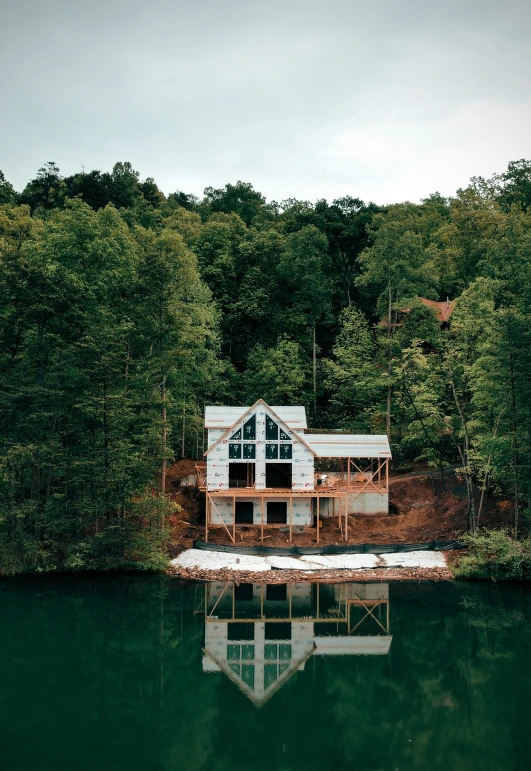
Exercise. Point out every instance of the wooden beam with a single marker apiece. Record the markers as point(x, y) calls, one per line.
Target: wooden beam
point(290, 519)
point(345, 529)
point(262, 522)
point(318, 500)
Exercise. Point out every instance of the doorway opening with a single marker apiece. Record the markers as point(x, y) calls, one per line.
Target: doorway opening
point(278, 475)
point(244, 513)
point(277, 513)
point(241, 474)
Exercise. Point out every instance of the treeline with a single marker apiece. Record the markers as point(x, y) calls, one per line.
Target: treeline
point(124, 311)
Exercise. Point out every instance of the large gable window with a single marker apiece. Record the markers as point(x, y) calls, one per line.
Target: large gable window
point(249, 429)
point(276, 441)
point(240, 446)
point(271, 429)
point(271, 451)
point(235, 451)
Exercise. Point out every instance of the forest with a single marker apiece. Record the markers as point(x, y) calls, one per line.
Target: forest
point(124, 311)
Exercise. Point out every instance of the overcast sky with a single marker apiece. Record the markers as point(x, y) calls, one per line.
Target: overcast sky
point(386, 100)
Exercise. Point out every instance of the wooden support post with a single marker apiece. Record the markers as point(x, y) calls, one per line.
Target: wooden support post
point(262, 522)
point(348, 472)
point(234, 518)
point(346, 517)
point(379, 473)
point(207, 514)
point(387, 473)
point(318, 519)
point(290, 519)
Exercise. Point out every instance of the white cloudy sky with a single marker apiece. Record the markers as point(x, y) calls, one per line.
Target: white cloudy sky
point(386, 100)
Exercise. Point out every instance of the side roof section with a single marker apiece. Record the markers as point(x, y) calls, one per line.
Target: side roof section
point(349, 445)
point(225, 417)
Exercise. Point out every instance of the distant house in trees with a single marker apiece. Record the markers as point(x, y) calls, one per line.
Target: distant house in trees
point(260, 471)
point(442, 310)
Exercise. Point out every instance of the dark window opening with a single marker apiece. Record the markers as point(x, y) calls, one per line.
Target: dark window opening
point(271, 451)
point(249, 451)
point(235, 451)
point(241, 632)
point(277, 592)
point(271, 429)
point(285, 452)
point(249, 428)
point(277, 631)
point(237, 436)
point(244, 592)
point(278, 475)
point(277, 513)
point(241, 474)
point(284, 437)
point(244, 513)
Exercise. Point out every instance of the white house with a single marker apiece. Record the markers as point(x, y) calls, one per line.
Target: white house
point(260, 470)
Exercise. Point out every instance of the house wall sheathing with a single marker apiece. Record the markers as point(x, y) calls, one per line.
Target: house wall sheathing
point(302, 459)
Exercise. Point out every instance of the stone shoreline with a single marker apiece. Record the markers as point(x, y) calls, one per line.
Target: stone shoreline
point(303, 576)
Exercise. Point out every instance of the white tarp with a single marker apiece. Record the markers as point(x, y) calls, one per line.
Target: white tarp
point(215, 560)
point(343, 561)
point(415, 559)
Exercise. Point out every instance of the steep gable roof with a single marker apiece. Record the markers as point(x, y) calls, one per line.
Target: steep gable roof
point(242, 418)
point(216, 416)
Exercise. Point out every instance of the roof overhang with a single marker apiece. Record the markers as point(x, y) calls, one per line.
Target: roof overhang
point(349, 445)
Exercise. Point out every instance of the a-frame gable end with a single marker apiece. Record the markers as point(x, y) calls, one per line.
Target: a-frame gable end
point(260, 409)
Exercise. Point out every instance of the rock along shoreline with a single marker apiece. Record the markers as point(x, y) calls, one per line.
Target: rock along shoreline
point(303, 576)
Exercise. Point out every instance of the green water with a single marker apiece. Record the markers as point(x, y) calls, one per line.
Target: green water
point(111, 673)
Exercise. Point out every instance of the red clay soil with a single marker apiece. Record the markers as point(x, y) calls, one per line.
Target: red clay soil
point(421, 512)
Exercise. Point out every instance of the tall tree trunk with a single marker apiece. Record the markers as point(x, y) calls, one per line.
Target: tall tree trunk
point(164, 438)
point(389, 364)
point(514, 446)
point(465, 460)
point(314, 373)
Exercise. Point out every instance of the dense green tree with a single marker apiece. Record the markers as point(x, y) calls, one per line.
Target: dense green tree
point(278, 374)
point(46, 191)
point(353, 377)
point(7, 192)
point(124, 185)
point(241, 199)
point(94, 188)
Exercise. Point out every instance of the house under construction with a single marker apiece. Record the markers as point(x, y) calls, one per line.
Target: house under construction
point(260, 471)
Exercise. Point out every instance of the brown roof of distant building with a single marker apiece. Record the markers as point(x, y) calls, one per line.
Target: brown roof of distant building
point(443, 310)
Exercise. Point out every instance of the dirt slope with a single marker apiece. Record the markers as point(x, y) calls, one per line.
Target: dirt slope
point(421, 512)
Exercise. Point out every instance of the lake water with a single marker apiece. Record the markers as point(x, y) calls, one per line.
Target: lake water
point(146, 674)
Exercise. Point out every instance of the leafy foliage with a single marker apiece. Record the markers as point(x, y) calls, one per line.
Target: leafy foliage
point(123, 311)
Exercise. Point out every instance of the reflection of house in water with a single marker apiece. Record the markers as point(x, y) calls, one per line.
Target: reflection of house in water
point(259, 635)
